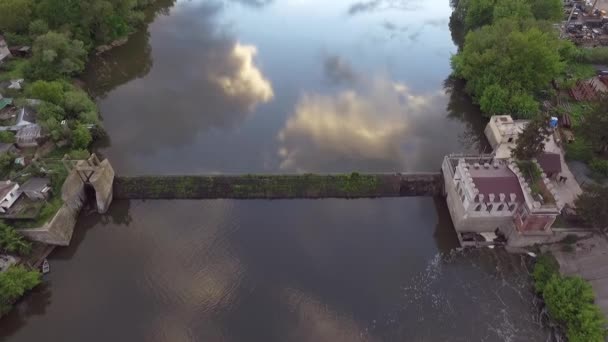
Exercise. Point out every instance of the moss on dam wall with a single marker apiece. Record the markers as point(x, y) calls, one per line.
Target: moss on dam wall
point(352, 185)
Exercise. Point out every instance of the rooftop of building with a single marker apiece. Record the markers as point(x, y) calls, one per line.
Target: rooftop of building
point(6, 187)
point(495, 179)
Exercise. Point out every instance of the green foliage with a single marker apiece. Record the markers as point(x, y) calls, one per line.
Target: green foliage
point(14, 283)
point(552, 10)
point(13, 242)
point(15, 68)
point(91, 21)
point(55, 56)
point(77, 101)
point(479, 13)
point(6, 163)
point(7, 137)
point(81, 137)
point(546, 267)
point(594, 125)
point(38, 27)
point(47, 91)
point(520, 9)
point(508, 62)
point(15, 15)
point(579, 149)
point(597, 55)
point(90, 117)
point(592, 205)
point(570, 302)
point(79, 154)
point(599, 166)
point(531, 142)
point(47, 111)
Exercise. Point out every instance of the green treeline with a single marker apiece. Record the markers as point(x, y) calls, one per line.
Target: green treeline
point(92, 22)
point(569, 301)
point(512, 52)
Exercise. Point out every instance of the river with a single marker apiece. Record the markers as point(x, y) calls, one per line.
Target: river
point(247, 86)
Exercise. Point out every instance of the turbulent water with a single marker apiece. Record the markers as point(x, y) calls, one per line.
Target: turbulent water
point(280, 86)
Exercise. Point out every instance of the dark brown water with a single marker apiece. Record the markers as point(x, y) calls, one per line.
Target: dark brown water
point(280, 86)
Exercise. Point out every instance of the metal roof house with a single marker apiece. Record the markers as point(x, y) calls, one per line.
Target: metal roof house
point(5, 53)
point(9, 193)
point(28, 135)
point(37, 188)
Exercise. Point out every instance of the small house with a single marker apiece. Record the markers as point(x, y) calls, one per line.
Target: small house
point(9, 193)
point(28, 135)
point(5, 53)
point(36, 188)
point(27, 116)
point(5, 102)
point(20, 51)
point(550, 163)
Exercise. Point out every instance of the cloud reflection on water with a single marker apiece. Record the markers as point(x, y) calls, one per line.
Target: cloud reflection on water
point(366, 127)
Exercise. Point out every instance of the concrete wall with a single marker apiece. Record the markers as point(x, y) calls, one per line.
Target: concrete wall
point(59, 230)
point(279, 186)
point(103, 181)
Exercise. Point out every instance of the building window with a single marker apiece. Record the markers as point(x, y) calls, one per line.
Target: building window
point(510, 140)
point(512, 207)
point(478, 207)
point(490, 206)
point(501, 207)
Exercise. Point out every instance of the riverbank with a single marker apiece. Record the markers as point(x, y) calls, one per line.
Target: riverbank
point(352, 185)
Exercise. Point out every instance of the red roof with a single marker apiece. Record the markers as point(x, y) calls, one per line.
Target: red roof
point(551, 163)
point(496, 181)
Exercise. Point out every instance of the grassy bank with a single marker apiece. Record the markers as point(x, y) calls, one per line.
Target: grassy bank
point(569, 301)
point(277, 186)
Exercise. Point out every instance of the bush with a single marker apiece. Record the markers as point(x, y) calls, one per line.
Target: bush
point(599, 166)
point(79, 154)
point(569, 301)
point(81, 137)
point(77, 101)
point(13, 242)
point(14, 283)
point(579, 150)
point(7, 137)
point(47, 91)
point(546, 266)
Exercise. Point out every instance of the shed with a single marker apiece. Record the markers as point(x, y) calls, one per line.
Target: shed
point(551, 163)
point(9, 193)
point(28, 136)
point(5, 101)
point(37, 188)
point(5, 53)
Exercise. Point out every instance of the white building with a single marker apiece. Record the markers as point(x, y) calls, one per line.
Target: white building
point(9, 193)
point(4, 51)
point(487, 197)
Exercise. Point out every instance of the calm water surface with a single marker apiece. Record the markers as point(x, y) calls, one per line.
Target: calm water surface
point(285, 86)
point(280, 86)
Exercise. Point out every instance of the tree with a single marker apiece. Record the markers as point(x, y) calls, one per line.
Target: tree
point(510, 58)
point(7, 137)
point(570, 302)
point(38, 27)
point(479, 13)
point(47, 91)
point(77, 101)
point(13, 242)
point(512, 9)
point(81, 137)
point(595, 125)
point(592, 205)
point(531, 142)
point(15, 15)
point(48, 110)
point(54, 55)
point(14, 282)
point(552, 10)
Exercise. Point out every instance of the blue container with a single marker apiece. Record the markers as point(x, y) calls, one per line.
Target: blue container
point(553, 122)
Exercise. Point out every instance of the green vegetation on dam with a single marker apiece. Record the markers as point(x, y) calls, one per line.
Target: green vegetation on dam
point(352, 185)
